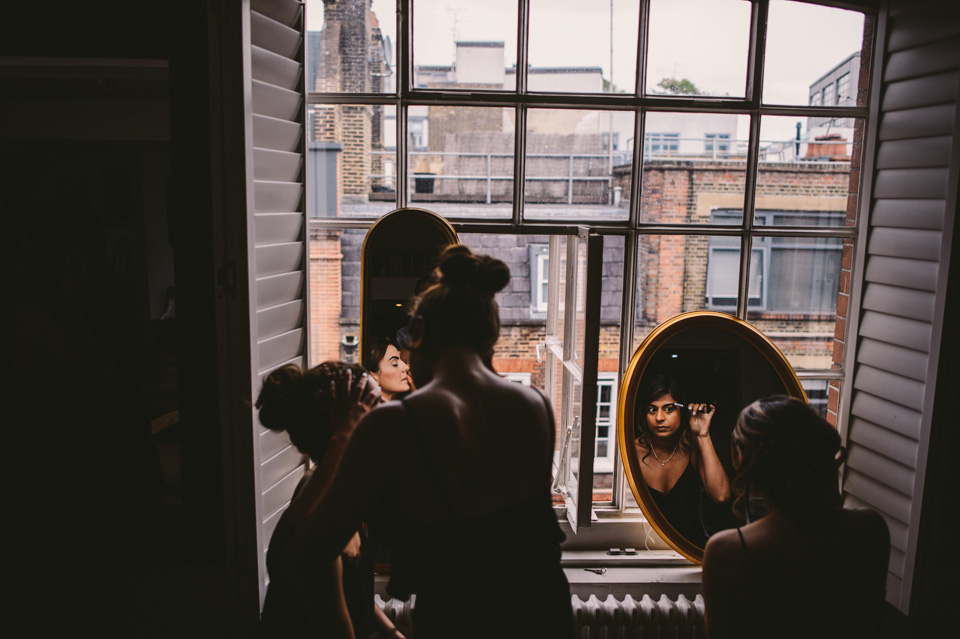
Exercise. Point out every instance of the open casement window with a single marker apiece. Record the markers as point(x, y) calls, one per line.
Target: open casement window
point(570, 348)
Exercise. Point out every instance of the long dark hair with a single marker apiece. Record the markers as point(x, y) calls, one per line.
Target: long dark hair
point(374, 349)
point(791, 455)
point(653, 389)
point(298, 402)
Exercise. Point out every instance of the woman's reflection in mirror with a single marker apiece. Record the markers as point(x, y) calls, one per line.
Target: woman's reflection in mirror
point(383, 360)
point(677, 457)
point(456, 477)
point(809, 567)
point(402, 341)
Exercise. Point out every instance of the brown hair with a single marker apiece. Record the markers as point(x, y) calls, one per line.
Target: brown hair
point(298, 402)
point(458, 307)
point(374, 349)
point(789, 453)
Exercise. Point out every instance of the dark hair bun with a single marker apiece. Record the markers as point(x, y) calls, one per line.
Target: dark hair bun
point(459, 266)
point(280, 397)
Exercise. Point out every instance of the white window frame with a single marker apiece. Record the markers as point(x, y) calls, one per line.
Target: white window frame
point(605, 463)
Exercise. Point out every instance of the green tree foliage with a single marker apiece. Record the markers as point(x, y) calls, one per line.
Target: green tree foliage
point(678, 87)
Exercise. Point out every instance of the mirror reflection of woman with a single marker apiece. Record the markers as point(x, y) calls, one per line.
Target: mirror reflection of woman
point(677, 457)
point(387, 368)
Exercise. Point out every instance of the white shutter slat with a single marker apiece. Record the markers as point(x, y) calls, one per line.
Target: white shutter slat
point(278, 350)
point(895, 271)
point(286, 12)
point(913, 30)
point(894, 300)
point(921, 122)
point(907, 362)
point(274, 470)
point(295, 361)
point(925, 59)
point(925, 152)
point(881, 383)
point(274, 228)
point(275, 69)
point(277, 197)
point(276, 134)
point(878, 496)
point(278, 495)
point(923, 91)
point(275, 101)
point(896, 476)
point(269, 525)
point(883, 433)
point(277, 289)
point(272, 443)
point(276, 320)
point(276, 166)
point(916, 244)
point(273, 36)
point(906, 213)
point(910, 183)
point(279, 258)
point(896, 330)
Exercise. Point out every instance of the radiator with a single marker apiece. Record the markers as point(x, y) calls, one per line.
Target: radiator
point(612, 618)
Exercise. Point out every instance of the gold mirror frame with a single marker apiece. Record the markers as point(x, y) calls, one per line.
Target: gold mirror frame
point(420, 234)
point(629, 389)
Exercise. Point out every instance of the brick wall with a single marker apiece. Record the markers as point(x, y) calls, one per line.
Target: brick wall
point(324, 281)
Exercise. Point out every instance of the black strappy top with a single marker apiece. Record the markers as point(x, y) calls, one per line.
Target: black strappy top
point(681, 505)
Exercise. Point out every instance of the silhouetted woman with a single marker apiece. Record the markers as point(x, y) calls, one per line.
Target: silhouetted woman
point(809, 567)
point(456, 477)
point(677, 457)
point(319, 408)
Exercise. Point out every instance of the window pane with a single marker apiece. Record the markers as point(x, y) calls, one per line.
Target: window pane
point(351, 160)
point(334, 319)
point(611, 303)
point(350, 47)
point(830, 40)
point(575, 44)
point(806, 165)
point(461, 160)
point(698, 47)
point(692, 163)
point(466, 44)
point(673, 274)
point(570, 163)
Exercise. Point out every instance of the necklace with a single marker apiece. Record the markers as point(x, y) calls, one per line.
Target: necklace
point(663, 462)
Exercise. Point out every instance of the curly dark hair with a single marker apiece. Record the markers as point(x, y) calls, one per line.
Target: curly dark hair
point(298, 402)
point(653, 389)
point(458, 307)
point(789, 453)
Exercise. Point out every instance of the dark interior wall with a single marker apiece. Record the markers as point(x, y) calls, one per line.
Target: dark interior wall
point(95, 231)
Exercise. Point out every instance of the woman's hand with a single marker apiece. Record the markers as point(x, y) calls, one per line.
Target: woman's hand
point(700, 416)
point(346, 412)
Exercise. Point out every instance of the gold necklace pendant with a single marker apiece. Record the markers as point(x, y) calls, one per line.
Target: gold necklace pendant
point(663, 462)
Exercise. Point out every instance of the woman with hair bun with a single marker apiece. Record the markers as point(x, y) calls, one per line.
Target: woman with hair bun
point(318, 409)
point(455, 477)
point(809, 567)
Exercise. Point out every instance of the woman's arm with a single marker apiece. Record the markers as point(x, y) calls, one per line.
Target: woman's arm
point(712, 474)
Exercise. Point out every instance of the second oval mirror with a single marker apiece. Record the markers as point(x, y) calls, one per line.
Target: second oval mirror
point(678, 405)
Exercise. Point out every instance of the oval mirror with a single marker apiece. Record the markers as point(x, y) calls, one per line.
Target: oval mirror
point(399, 252)
point(707, 358)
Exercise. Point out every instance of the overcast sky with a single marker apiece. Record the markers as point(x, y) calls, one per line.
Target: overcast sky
point(704, 41)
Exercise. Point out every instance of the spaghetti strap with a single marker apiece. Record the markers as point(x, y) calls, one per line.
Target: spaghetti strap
point(743, 543)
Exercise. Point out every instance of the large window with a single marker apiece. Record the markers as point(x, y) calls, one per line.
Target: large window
point(722, 188)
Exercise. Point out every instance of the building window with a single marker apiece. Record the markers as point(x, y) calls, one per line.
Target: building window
point(830, 94)
point(662, 143)
point(539, 263)
point(716, 143)
point(843, 90)
point(606, 421)
point(518, 378)
point(787, 274)
point(815, 99)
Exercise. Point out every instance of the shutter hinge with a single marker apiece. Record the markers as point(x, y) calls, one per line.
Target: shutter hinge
point(227, 278)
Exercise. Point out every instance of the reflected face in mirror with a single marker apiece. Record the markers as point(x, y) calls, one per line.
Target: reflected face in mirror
point(392, 374)
point(663, 417)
